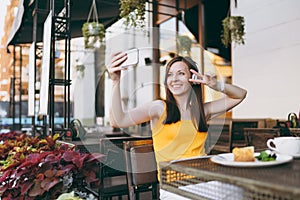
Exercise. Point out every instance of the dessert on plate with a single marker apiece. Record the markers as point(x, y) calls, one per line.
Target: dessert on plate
point(243, 154)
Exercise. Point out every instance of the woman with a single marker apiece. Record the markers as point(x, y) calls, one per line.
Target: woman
point(179, 123)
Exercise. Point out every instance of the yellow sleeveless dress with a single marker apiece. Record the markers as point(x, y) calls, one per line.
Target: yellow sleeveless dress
point(177, 140)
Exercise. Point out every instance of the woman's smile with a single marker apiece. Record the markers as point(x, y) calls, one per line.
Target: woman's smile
point(176, 85)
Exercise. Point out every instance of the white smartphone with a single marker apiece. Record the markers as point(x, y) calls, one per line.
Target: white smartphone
point(132, 58)
point(194, 77)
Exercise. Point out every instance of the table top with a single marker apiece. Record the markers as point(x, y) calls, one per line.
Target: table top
point(91, 143)
point(284, 178)
point(94, 138)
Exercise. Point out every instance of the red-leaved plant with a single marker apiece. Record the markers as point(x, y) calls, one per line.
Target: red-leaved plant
point(45, 171)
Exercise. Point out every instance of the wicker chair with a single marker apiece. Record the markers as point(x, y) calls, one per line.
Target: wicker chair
point(235, 136)
point(141, 168)
point(112, 169)
point(258, 137)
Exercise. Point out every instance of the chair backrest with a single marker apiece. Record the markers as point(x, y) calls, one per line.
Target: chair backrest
point(258, 137)
point(114, 163)
point(140, 162)
point(230, 134)
point(113, 166)
point(218, 138)
point(236, 131)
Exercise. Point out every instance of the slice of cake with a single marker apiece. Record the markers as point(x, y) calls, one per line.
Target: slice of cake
point(244, 154)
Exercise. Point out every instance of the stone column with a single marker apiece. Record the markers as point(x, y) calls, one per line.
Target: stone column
point(84, 91)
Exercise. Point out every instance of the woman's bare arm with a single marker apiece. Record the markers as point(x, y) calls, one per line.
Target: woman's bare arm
point(234, 94)
point(118, 117)
point(138, 115)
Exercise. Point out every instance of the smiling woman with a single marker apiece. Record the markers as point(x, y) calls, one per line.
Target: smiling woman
point(179, 122)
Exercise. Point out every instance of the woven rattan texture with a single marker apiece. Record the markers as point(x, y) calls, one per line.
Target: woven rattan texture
point(221, 182)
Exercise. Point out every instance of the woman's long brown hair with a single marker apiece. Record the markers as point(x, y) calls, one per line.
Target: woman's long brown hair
point(195, 99)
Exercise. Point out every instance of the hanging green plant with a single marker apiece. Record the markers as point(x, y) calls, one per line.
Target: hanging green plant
point(184, 44)
point(80, 70)
point(92, 32)
point(233, 30)
point(133, 11)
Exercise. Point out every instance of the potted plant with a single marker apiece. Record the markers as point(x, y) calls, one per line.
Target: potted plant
point(80, 70)
point(133, 12)
point(92, 32)
point(184, 44)
point(34, 168)
point(233, 30)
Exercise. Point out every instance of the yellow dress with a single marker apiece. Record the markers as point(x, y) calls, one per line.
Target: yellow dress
point(177, 140)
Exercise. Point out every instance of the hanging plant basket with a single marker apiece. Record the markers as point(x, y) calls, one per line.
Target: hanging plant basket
point(133, 12)
point(93, 31)
point(80, 70)
point(184, 44)
point(233, 30)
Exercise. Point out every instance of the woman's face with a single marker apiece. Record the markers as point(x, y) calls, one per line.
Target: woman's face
point(178, 79)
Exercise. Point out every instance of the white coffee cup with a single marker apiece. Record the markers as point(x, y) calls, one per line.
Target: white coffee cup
point(285, 145)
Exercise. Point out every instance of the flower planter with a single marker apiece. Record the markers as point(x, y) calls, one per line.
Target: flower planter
point(184, 44)
point(92, 32)
point(34, 168)
point(133, 12)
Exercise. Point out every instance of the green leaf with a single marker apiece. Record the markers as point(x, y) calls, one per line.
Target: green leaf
point(233, 30)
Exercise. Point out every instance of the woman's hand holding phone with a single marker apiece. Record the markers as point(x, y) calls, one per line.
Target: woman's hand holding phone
point(114, 66)
point(121, 61)
point(132, 58)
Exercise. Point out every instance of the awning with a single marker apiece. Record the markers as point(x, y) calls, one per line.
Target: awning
point(108, 13)
point(22, 29)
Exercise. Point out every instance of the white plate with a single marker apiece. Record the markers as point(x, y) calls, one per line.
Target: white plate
point(293, 155)
point(226, 159)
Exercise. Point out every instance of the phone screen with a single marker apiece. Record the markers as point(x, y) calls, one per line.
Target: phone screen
point(132, 58)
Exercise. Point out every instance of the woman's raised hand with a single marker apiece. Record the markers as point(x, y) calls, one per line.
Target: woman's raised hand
point(209, 79)
point(114, 67)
